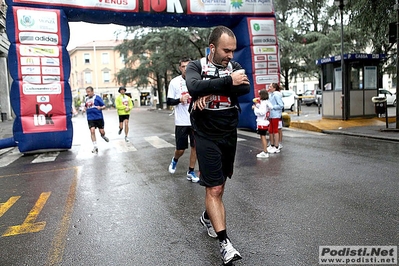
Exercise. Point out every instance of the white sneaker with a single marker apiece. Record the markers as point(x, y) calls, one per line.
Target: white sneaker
point(263, 155)
point(172, 166)
point(228, 252)
point(208, 225)
point(95, 150)
point(126, 139)
point(273, 150)
point(280, 146)
point(269, 148)
point(191, 176)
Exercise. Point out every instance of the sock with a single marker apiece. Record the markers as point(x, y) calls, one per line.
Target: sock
point(94, 144)
point(190, 169)
point(206, 215)
point(174, 159)
point(222, 235)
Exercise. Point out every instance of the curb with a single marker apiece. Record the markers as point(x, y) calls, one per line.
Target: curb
point(335, 132)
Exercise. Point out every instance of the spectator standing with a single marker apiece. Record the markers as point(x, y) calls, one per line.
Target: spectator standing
point(262, 112)
point(94, 106)
point(123, 105)
point(215, 86)
point(179, 97)
point(275, 116)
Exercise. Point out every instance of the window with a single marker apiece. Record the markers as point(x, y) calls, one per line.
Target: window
point(105, 58)
point(86, 58)
point(88, 78)
point(106, 76)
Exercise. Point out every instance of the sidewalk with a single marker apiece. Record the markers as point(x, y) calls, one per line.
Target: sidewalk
point(369, 128)
point(363, 127)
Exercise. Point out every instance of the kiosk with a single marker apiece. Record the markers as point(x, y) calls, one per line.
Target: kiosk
point(361, 76)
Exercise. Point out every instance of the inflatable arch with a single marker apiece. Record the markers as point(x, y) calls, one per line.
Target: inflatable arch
point(39, 63)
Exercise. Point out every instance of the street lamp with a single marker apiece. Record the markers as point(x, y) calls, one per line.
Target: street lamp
point(345, 101)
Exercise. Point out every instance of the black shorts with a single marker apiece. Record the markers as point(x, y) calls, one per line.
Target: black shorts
point(216, 159)
point(99, 123)
point(182, 133)
point(123, 118)
point(262, 132)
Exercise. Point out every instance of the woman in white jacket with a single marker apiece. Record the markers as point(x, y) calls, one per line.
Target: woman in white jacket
point(262, 111)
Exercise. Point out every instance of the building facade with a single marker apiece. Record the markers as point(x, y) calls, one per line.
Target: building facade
point(96, 64)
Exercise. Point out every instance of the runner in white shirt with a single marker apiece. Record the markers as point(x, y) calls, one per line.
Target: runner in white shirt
point(179, 98)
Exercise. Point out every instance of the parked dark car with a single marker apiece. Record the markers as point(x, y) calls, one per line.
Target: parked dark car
point(317, 96)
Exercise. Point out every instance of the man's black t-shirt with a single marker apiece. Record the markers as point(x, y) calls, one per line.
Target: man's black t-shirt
point(220, 116)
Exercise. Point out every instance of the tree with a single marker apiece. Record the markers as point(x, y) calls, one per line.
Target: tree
point(372, 18)
point(152, 56)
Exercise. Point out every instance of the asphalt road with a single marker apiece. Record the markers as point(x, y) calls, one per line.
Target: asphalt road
point(122, 207)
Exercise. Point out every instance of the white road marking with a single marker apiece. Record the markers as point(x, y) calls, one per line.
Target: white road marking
point(158, 142)
point(46, 157)
point(10, 157)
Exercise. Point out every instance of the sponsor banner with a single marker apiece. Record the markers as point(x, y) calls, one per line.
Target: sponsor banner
point(272, 71)
point(43, 98)
point(264, 40)
point(272, 65)
point(30, 61)
point(229, 7)
point(260, 65)
point(260, 58)
point(260, 71)
point(272, 57)
point(122, 5)
point(38, 38)
point(270, 49)
point(33, 89)
point(50, 61)
point(37, 20)
point(51, 71)
point(30, 70)
point(266, 79)
point(37, 50)
point(31, 79)
point(358, 255)
point(266, 26)
point(51, 79)
point(44, 112)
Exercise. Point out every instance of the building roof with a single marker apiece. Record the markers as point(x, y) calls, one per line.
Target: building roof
point(99, 45)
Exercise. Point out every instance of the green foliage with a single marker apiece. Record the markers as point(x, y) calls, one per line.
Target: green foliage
point(152, 56)
point(311, 29)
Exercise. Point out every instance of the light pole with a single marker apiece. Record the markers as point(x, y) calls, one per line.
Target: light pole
point(345, 97)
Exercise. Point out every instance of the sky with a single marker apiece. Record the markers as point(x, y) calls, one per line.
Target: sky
point(82, 32)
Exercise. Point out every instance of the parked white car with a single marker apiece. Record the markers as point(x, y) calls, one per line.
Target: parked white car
point(289, 98)
point(391, 97)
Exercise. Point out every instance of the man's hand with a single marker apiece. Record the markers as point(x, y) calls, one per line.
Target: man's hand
point(239, 78)
point(200, 103)
point(184, 98)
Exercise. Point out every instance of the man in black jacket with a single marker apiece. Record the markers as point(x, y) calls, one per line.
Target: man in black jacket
point(215, 84)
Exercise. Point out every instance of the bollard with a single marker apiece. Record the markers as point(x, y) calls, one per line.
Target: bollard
point(286, 119)
point(298, 106)
point(3, 117)
point(318, 105)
